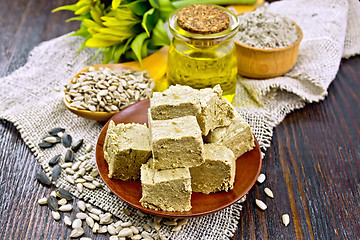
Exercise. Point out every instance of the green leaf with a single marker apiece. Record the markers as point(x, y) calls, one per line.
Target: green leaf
point(127, 45)
point(121, 49)
point(107, 51)
point(130, 55)
point(149, 20)
point(154, 3)
point(144, 48)
point(83, 32)
point(159, 36)
point(164, 6)
point(78, 18)
point(72, 7)
point(95, 55)
point(83, 45)
point(118, 52)
point(137, 43)
point(138, 7)
point(115, 4)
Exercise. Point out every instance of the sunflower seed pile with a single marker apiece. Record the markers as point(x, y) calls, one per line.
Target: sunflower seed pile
point(260, 204)
point(80, 172)
point(106, 90)
point(103, 222)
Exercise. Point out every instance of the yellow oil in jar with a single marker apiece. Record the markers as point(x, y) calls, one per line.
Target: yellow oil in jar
point(203, 67)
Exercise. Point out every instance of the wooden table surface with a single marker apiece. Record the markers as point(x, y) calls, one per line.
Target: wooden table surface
point(312, 166)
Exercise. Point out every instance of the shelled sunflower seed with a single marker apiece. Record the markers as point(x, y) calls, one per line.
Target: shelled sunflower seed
point(96, 228)
point(94, 173)
point(67, 221)
point(66, 165)
point(106, 90)
point(89, 147)
point(90, 222)
point(268, 192)
point(69, 171)
point(42, 201)
point(55, 215)
point(260, 204)
point(81, 205)
point(125, 232)
point(50, 139)
point(77, 223)
point(65, 208)
point(285, 219)
point(62, 201)
point(53, 193)
point(81, 215)
point(261, 178)
point(77, 232)
point(111, 230)
point(94, 216)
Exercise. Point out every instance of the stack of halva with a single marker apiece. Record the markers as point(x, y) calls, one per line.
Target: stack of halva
point(191, 145)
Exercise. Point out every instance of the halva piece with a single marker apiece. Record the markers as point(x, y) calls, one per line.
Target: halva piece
point(217, 173)
point(215, 110)
point(166, 190)
point(126, 148)
point(176, 143)
point(176, 101)
point(237, 136)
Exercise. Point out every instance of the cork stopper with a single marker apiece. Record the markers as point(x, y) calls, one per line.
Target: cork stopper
point(203, 19)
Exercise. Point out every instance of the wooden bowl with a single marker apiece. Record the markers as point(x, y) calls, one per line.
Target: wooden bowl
point(97, 116)
point(155, 64)
point(267, 63)
point(247, 170)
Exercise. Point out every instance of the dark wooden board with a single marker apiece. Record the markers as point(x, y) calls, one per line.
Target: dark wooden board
point(312, 166)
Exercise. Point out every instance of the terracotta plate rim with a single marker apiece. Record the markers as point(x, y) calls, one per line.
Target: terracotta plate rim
point(99, 151)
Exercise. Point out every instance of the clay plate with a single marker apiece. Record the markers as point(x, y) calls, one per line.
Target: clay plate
point(247, 170)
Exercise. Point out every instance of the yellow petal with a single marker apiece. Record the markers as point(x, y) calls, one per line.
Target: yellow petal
point(109, 37)
point(98, 43)
point(82, 10)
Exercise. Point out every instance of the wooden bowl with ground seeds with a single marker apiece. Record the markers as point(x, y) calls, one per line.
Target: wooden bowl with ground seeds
point(262, 63)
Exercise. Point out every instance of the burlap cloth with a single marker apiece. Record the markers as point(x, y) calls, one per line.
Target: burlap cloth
point(331, 31)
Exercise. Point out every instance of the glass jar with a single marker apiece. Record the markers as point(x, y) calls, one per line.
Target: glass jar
point(203, 60)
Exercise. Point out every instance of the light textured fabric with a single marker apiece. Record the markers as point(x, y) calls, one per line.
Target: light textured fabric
point(331, 31)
